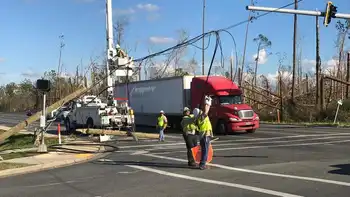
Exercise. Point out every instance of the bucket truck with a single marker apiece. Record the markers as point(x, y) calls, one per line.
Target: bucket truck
point(90, 111)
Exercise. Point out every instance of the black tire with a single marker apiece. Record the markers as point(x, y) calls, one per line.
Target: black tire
point(251, 131)
point(221, 128)
point(89, 123)
point(68, 126)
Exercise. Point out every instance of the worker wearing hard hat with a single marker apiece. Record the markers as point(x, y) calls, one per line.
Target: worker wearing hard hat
point(205, 130)
point(189, 129)
point(162, 122)
point(120, 52)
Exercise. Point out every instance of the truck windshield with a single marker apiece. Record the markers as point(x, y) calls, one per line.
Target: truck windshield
point(230, 99)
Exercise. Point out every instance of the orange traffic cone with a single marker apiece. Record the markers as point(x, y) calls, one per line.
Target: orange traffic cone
point(197, 153)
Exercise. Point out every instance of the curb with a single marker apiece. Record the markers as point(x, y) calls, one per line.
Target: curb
point(49, 166)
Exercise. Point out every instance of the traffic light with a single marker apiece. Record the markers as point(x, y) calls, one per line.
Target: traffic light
point(331, 10)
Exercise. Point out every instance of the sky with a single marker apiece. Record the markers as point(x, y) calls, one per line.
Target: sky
point(30, 30)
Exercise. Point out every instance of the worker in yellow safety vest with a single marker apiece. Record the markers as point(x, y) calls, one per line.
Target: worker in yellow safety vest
point(189, 129)
point(162, 123)
point(204, 129)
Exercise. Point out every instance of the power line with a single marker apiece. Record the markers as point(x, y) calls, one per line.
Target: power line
point(190, 42)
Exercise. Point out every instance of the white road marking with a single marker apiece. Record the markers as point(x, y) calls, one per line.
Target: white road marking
point(254, 143)
point(237, 140)
point(198, 179)
point(268, 146)
point(259, 172)
point(150, 145)
point(283, 137)
point(284, 145)
point(140, 152)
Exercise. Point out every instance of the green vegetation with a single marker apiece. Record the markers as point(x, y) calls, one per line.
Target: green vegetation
point(21, 141)
point(18, 155)
point(5, 166)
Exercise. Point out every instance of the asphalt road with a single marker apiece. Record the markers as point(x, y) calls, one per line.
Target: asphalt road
point(12, 119)
point(271, 162)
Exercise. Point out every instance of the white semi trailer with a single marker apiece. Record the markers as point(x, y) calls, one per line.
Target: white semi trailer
point(148, 97)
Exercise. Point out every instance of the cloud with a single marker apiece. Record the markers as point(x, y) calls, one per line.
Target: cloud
point(148, 7)
point(2, 59)
point(123, 12)
point(262, 56)
point(161, 40)
point(31, 74)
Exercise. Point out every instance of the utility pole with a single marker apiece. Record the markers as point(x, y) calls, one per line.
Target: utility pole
point(203, 17)
point(348, 75)
point(317, 64)
point(231, 67)
point(58, 94)
point(294, 48)
point(245, 44)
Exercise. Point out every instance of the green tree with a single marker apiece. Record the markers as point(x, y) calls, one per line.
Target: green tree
point(262, 43)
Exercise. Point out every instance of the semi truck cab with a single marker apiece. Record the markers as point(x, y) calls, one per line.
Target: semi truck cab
point(228, 113)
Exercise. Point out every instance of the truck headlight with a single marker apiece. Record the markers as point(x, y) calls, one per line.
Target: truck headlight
point(234, 119)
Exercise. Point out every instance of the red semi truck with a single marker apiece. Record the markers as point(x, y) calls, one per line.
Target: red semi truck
point(228, 113)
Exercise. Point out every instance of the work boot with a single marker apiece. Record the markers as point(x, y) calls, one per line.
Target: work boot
point(203, 167)
point(192, 164)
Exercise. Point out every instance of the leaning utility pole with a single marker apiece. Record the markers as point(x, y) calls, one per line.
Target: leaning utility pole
point(294, 47)
point(203, 17)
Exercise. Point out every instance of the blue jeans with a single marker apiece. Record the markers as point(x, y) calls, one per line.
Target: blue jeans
point(161, 133)
point(205, 143)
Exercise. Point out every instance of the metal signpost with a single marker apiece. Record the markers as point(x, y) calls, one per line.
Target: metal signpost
point(44, 86)
point(340, 102)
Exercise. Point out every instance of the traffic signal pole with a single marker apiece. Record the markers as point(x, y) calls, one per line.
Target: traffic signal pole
point(299, 12)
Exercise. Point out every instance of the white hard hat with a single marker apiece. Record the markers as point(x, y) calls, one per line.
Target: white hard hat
point(186, 109)
point(117, 46)
point(161, 111)
point(196, 112)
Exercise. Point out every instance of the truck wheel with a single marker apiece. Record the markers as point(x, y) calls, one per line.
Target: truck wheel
point(89, 123)
point(221, 128)
point(251, 130)
point(68, 126)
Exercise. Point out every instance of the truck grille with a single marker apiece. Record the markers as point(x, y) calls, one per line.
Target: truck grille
point(246, 114)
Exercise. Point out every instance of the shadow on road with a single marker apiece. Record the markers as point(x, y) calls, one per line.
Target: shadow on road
point(343, 169)
point(238, 156)
point(140, 163)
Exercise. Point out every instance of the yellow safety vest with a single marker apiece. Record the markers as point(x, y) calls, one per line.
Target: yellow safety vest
point(204, 126)
point(161, 121)
point(188, 124)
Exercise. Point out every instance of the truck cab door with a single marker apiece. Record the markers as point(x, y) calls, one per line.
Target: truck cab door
point(213, 113)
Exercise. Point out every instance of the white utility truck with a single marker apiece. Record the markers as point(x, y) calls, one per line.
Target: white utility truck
point(85, 113)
